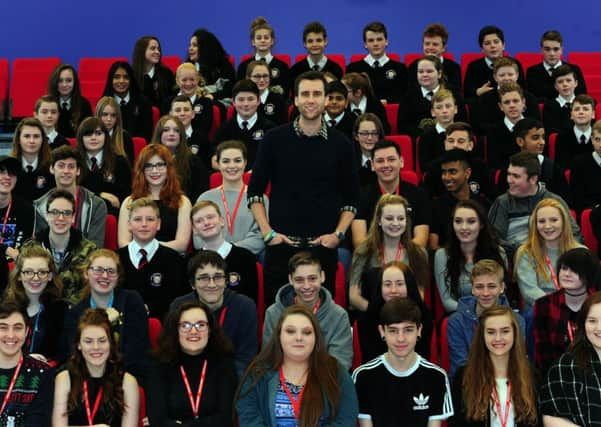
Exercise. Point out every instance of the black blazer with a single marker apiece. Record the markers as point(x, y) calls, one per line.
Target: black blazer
point(158, 88)
point(303, 65)
point(555, 117)
point(478, 72)
point(275, 108)
point(373, 106)
point(450, 70)
point(501, 145)
point(280, 73)
point(485, 111)
point(388, 81)
point(65, 125)
point(137, 117)
point(567, 147)
point(541, 84)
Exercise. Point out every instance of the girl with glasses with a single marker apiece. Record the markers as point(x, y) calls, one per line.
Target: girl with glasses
point(124, 307)
point(273, 105)
point(193, 379)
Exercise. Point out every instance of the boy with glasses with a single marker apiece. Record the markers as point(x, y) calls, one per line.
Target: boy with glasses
point(68, 247)
point(236, 313)
point(152, 269)
point(89, 213)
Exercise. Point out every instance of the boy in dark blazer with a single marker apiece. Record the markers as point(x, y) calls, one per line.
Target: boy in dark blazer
point(576, 139)
point(557, 111)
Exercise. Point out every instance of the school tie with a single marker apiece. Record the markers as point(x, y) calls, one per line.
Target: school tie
point(568, 105)
point(263, 59)
point(582, 139)
point(376, 64)
point(65, 106)
point(357, 111)
point(367, 165)
point(123, 103)
point(94, 167)
point(429, 95)
point(245, 126)
point(29, 168)
point(315, 68)
point(332, 122)
point(143, 259)
point(551, 70)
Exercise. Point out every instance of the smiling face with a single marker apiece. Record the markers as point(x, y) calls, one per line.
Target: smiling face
point(454, 176)
point(209, 284)
point(427, 75)
point(393, 284)
point(102, 283)
point(60, 216)
point(387, 164)
point(570, 280)
point(94, 345)
point(155, 171)
point(194, 341)
point(8, 180)
point(66, 80)
point(466, 225)
point(433, 45)
point(375, 43)
point(262, 41)
point(120, 82)
point(65, 172)
point(401, 338)
point(187, 80)
point(549, 224)
point(393, 220)
point(499, 335)
point(533, 142)
point(512, 105)
point(307, 280)
point(592, 326)
point(297, 338)
point(143, 224)
point(520, 185)
point(311, 99)
point(13, 331)
point(505, 75)
point(246, 104)
point(35, 275)
point(207, 223)
point(94, 142)
point(367, 135)
point(459, 139)
point(336, 103)
point(260, 75)
point(47, 114)
point(231, 164)
point(487, 288)
point(30, 140)
point(315, 43)
point(152, 55)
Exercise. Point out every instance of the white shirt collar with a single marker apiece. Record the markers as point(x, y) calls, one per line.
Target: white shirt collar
point(547, 66)
point(327, 117)
point(189, 131)
point(134, 251)
point(362, 105)
point(425, 91)
point(119, 99)
point(320, 64)
point(251, 121)
point(382, 60)
point(439, 128)
point(509, 124)
point(267, 57)
point(224, 250)
point(541, 158)
point(52, 135)
point(597, 158)
point(263, 97)
point(150, 72)
point(25, 164)
point(65, 101)
point(364, 159)
point(562, 101)
point(98, 159)
point(586, 133)
point(489, 63)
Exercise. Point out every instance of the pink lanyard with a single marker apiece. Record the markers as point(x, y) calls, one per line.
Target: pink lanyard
point(231, 218)
point(495, 396)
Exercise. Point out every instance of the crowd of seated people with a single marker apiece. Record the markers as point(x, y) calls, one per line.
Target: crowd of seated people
point(201, 277)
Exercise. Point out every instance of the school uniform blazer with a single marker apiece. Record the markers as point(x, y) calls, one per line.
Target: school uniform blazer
point(415, 107)
point(303, 65)
point(274, 109)
point(541, 84)
point(137, 117)
point(280, 73)
point(585, 170)
point(158, 88)
point(567, 147)
point(346, 124)
point(478, 72)
point(501, 145)
point(555, 117)
point(389, 81)
point(485, 112)
point(374, 106)
point(65, 125)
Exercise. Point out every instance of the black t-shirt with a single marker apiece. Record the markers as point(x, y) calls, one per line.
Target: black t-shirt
point(419, 205)
point(386, 396)
point(18, 226)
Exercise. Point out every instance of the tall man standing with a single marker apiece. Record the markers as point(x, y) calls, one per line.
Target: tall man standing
point(314, 187)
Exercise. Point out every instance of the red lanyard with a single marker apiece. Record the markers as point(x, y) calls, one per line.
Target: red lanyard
point(10, 205)
point(222, 316)
point(231, 218)
point(396, 191)
point(397, 256)
point(195, 404)
point(294, 402)
point(553, 275)
point(502, 419)
point(315, 306)
point(86, 401)
point(11, 385)
point(570, 331)
point(76, 210)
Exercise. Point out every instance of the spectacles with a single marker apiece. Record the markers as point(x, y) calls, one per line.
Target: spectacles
point(260, 77)
point(42, 274)
point(205, 279)
point(99, 271)
point(56, 213)
point(158, 166)
point(366, 134)
point(200, 326)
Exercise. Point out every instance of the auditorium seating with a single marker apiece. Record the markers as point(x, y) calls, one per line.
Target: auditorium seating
point(28, 81)
point(3, 86)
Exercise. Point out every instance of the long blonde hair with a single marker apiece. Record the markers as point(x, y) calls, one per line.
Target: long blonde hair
point(535, 247)
point(117, 137)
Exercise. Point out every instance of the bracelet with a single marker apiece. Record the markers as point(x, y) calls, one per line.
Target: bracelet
point(269, 236)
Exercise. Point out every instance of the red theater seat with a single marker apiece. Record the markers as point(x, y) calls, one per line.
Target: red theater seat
point(29, 81)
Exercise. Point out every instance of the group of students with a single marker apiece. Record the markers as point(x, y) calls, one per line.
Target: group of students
point(63, 303)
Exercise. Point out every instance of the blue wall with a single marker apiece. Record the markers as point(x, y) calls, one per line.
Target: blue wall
point(63, 28)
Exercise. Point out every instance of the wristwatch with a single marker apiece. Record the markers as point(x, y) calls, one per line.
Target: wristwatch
point(339, 235)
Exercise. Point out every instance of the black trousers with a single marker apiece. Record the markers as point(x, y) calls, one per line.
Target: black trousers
point(276, 267)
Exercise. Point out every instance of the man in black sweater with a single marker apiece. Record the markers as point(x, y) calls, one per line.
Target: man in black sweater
point(314, 187)
point(152, 269)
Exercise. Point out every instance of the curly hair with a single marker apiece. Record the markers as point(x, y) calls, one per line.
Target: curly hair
point(112, 379)
point(171, 192)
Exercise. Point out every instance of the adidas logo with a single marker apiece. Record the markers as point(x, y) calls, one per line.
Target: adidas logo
point(421, 402)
